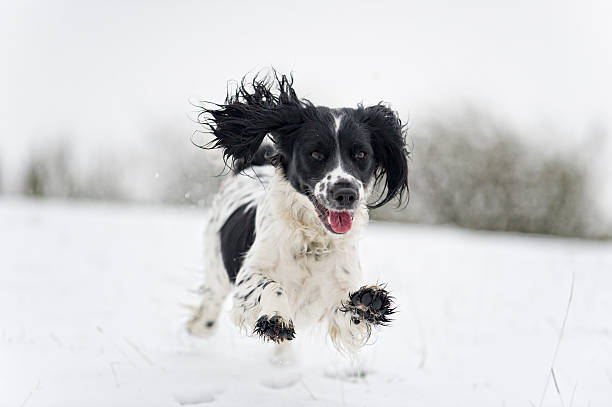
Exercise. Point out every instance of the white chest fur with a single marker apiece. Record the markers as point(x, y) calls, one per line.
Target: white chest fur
point(292, 248)
point(295, 268)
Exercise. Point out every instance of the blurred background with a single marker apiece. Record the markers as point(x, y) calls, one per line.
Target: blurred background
point(103, 197)
point(509, 103)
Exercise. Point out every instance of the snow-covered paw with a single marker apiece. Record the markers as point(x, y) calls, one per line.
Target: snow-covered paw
point(274, 328)
point(372, 304)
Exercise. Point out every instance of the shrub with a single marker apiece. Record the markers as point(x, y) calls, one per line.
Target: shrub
point(474, 171)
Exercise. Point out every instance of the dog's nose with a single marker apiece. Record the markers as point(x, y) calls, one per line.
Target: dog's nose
point(345, 197)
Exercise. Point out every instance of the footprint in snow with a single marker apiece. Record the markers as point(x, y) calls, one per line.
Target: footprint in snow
point(194, 397)
point(281, 381)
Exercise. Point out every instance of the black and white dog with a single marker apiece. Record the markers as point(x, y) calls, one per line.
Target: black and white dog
point(285, 238)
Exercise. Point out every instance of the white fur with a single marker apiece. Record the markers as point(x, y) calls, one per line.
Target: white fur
point(295, 267)
point(334, 176)
point(337, 122)
point(337, 174)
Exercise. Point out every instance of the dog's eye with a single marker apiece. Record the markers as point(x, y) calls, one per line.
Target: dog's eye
point(317, 155)
point(360, 155)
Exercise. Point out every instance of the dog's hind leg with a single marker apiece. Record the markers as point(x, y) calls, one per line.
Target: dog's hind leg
point(215, 289)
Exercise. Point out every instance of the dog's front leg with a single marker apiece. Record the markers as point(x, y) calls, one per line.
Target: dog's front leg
point(352, 320)
point(261, 306)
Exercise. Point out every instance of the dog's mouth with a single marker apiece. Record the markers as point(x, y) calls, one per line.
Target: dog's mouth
point(338, 222)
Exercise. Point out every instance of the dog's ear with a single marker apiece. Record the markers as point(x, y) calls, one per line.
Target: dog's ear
point(248, 115)
point(390, 153)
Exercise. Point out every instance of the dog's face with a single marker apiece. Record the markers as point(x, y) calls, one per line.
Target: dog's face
point(332, 156)
point(332, 163)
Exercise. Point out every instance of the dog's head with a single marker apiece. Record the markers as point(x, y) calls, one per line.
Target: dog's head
point(332, 156)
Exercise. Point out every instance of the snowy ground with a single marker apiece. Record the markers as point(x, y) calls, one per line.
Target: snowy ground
point(90, 315)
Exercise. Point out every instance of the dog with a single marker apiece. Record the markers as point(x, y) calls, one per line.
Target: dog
point(283, 230)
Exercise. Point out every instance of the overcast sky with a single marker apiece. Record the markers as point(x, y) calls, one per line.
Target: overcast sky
point(105, 72)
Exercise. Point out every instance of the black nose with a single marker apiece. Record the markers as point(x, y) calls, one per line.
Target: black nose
point(344, 197)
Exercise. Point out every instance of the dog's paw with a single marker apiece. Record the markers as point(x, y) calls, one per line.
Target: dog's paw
point(201, 324)
point(274, 328)
point(372, 304)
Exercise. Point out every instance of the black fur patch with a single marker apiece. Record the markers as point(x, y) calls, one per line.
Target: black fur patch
point(263, 156)
point(237, 236)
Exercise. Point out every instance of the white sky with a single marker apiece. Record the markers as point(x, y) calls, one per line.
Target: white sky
point(105, 72)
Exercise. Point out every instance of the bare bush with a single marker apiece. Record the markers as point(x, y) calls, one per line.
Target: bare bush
point(167, 169)
point(472, 170)
point(48, 173)
point(184, 173)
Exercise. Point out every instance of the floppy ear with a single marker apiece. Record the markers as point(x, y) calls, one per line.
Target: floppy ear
point(390, 153)
point(240, 125)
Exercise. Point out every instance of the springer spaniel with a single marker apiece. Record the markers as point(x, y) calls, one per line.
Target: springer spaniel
point(283, 230)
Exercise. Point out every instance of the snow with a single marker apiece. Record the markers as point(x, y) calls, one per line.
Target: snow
point(91, 315)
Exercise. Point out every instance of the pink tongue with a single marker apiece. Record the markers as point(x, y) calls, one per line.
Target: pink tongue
point(340, 222)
